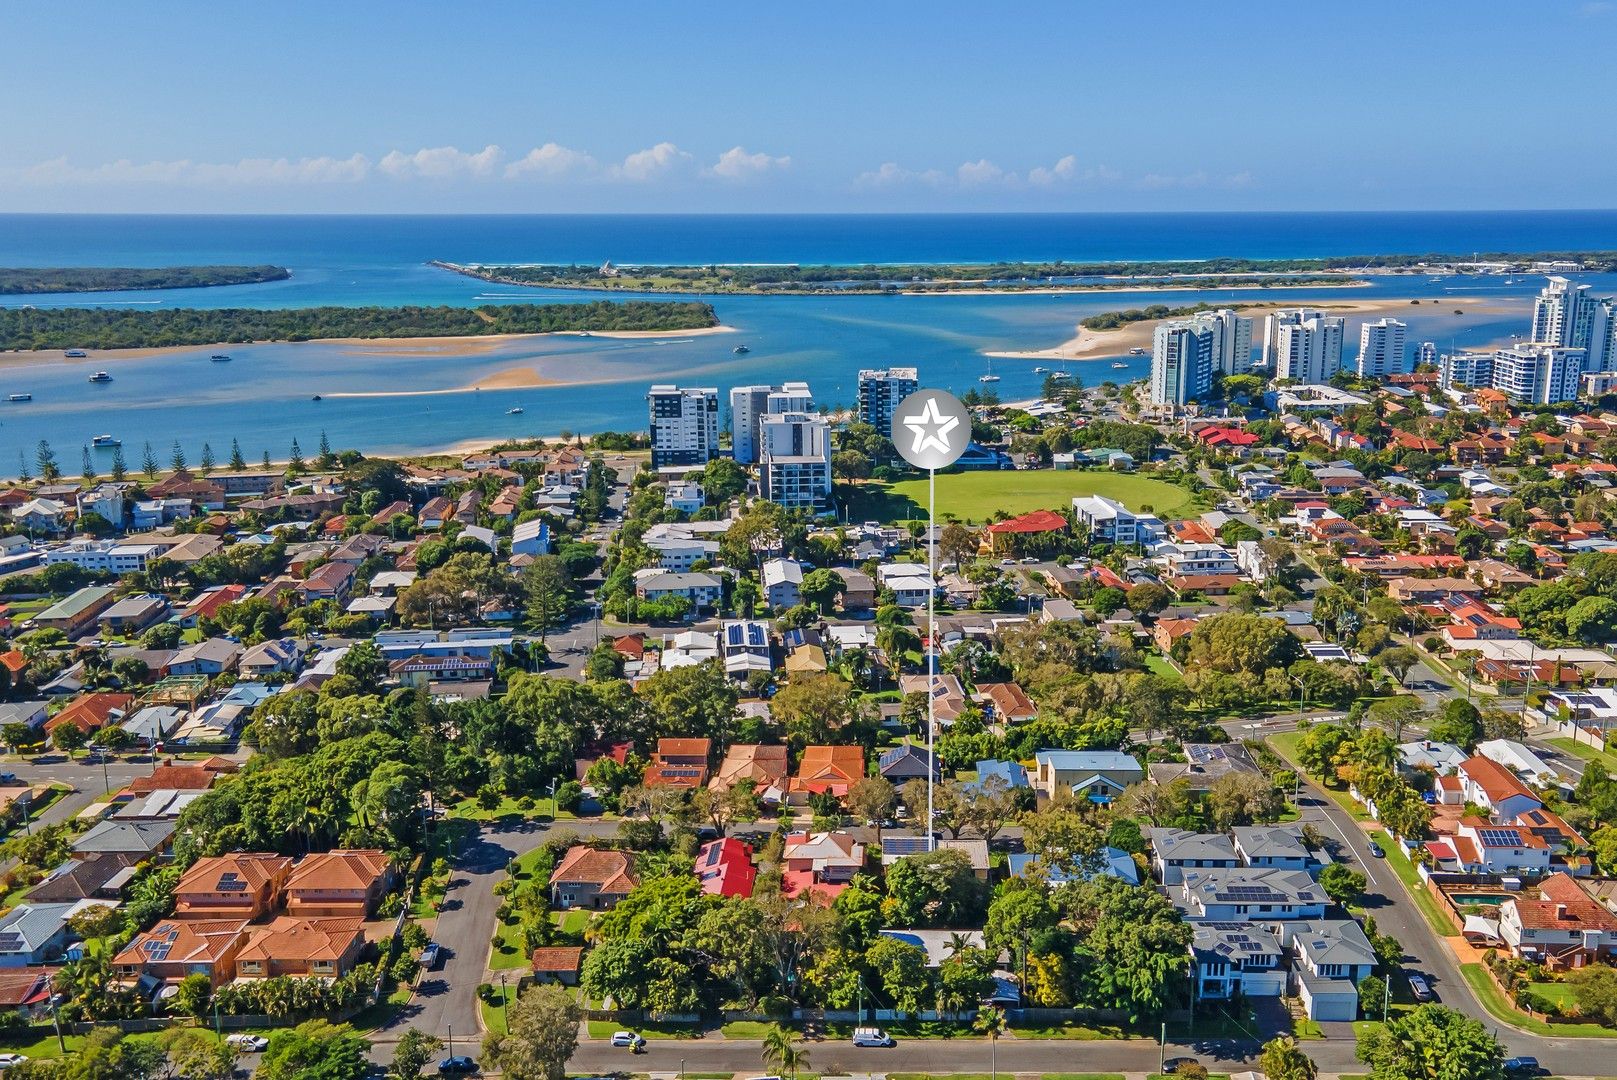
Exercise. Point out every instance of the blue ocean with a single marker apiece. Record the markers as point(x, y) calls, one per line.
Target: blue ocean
point(402, 399)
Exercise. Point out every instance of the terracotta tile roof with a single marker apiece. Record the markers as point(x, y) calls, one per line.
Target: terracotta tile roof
point(356, 869)
point(14, 660)
point(764, 764)
point(831, 764)
point(684, 748)
point(255, 869)
point(91, 712)
point(174, 778)
point(24, 986)
point(1039, 521)
point(288, 938)
point(557, 958)
point(183, 941)
point(1564, 906)
point(1496, 781)
point(608, 871)
point(1010, 701)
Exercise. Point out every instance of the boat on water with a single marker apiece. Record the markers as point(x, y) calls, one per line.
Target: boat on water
point(988, 378)
point(74, 354)
point(1138, 350)
point(19, 397)
point(1118, 365)
point(315, 398)
point(514, 412)
point(101, 376)
point(219, 356)
point(741, 350)
point(106, 440)
point(1040, 370)
point(1059, 375)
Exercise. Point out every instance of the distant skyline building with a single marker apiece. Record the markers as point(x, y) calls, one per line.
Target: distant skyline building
point(1303, 344)
point(1232, 340)
point(795, 460)
point(1181, 362)
point(1426, 353)
point(1381, 349)
point(1563, 314)
point(684, 424)
point(750, 404)
point(1533, 373)
point(880, 391)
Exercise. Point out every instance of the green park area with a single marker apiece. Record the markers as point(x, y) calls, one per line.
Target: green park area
point(976, 496)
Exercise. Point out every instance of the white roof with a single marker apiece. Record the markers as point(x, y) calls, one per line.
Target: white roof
point(782, 572)
point(1515, 756)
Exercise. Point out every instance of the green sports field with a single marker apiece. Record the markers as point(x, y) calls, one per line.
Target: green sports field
point(975, 496)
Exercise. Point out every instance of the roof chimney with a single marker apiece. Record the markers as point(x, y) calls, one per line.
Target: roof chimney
point(1560, 912)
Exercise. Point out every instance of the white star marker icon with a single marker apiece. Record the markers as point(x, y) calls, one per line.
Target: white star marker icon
point(931, 428)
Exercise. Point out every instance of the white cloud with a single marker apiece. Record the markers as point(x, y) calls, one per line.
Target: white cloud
point(736, 164)
point(1061, 172)
point(551, 160)
point(983, 172)
point(442, 161)
point(1161, 181)
point(649, 163)
point(891, 174)
point(185, 172)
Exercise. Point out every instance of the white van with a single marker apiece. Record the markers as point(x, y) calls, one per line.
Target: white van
point(869, 1036)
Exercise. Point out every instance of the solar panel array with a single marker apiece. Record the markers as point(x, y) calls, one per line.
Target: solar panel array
point(1500, 837)
point(10, 942)
point(903, 845)
point(230, 881)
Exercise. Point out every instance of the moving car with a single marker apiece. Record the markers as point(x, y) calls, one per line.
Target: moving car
point(459, 1065)
point(1376, 851)
point(1420, 989)
point(1523, 1066)
point(627, 1038)
point(429, 957)
point(870, 1036)
point(248, 1043)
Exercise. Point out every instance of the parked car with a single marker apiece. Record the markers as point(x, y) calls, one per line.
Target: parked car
point(459, 1065)
point(629, 1039)
point(8, 1060)
point(870, 1036)
point(1523, 1066)
point(1172, 1064)
point(1376, 851)
point(1420, 989)
point(8, 778)
point(429, 957)
point(247, 1042)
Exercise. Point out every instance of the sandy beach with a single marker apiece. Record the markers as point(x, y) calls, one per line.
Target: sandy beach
point(409, 346)
point(1106, 344)
point(1075, 290)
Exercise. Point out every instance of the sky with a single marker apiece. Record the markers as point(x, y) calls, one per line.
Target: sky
point(405, 106)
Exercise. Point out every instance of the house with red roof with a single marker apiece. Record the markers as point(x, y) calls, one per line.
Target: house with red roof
point(592, 878)
point(1561, 926)
point(1495, 788)
point(206, 604)
point(1015, 530)
point(724, 867)
point(679, 763)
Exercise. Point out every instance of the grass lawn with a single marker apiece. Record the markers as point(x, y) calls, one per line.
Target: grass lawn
point(539, 809)
point(40, 1042)
point(1068, 1031)
point(1494, 1000)
point(1435, 918)
point(1159, 665)
point(975, 496)
point(1082, 1076)
point(1587, 753)
point(1563, 994)
point(1304, 1029)
point(603, 1029)
point(494, 1014)
point(746, 1029)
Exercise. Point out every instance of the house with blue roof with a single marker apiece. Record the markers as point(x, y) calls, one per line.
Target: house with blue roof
point(1097, 775)
point(1009, 773)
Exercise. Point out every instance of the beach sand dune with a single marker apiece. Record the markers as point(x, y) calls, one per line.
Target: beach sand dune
point(1105, 344)
point(517, 378)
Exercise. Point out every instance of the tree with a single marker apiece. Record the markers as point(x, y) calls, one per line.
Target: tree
point(148, 462)
point(1372, 997)
point(206, 463)
point(195, 1055)
point(1432, 1043)
point(934, 888)
point(548, 589)
point(1397, 660)
point(1283, 1059)
point(326, 459)
point(1342, 883)
point(1242, 799)
point(87, 466)
point(68, 738)
point(45, 460)
point(410, 1056)
point(314, 1050)
point(543, 1035)
point(821, 587)
point(957, 544)
point(193, 994)
point(237, 462)
point(1595, 990)
point(782, 1052)
point(814, 708)
point(1133, 944)
point(1592, 619)
point(871, 800)
point(120, 471)
point(901, 969)
point(294, 463)
point(722, 479)
point(176, 457)
point(1458, 722)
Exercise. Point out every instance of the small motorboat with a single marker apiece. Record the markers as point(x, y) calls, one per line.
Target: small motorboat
point(19, 397)
point(1040, 370)
point(105, 440)
point(1118, 365)
point(101, 376)
point(514, 412)
point(315, 398)
point(1059, 375)
point(219, 357)
point(741, 350)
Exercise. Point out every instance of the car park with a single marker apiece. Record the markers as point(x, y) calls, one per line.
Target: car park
point(1420, 989)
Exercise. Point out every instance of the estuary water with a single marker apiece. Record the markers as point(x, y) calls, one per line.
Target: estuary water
point(395, 400)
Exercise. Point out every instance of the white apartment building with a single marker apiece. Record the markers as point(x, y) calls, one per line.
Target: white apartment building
point(1232, 340)
point(750, 404)
point(880, 391)
point(1538, 374)
point(795, 460)
point(1109, 521)
point(1181, 362)
point(1381, 349)
point(1303, 344)
point(684, 425)
point(1426, 353)
point(1472, 370)
point(106, 556)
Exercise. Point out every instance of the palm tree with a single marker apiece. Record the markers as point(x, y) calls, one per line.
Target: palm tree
point(958, 943)
point(991, 1022)
point(780, 1051)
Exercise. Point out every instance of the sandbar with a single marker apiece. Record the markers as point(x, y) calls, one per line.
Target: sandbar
point(1106, 344)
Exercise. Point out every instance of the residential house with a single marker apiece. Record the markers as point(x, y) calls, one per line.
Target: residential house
point(725, 868)
point(345, 883)
point(911, 583)
point(702, 591)
point(744, 647)
point(27, 992)
point(1174, 851)
point(1112, 862)
point(1483, 847)
point(1010, 774)
point(593, 878)
point(325, 948)
point(858, 590)
point(1236, 959)
point(764, 766)
point(214, 656)
point(1251, 894)
point(1520, 760)
point(1274, 846)
point(1489, 784)
point(132, 614)
point(828, 857)
point(1330, 957)
point(1205, 764)
point(1098, 775)
point(92, 712)
point(243, 885)
point(908, 761)
point(270, 658)
point(783, 581)
point(827, 769)
point(1439, 758)
point(680, 763)
point(1006, 703)
point(33, 933)
point(175, 948)
point(557, 964)
point(1560, 926)
point(143, 838)
point(330, 581)
point(90, 877)
point(77, 612)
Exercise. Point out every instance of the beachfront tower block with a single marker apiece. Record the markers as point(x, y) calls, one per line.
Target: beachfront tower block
point(1303, 344)
point(1181, 362)
point(880, 393)
point(750, 404)
point(684, 425)
point(1381, 349)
